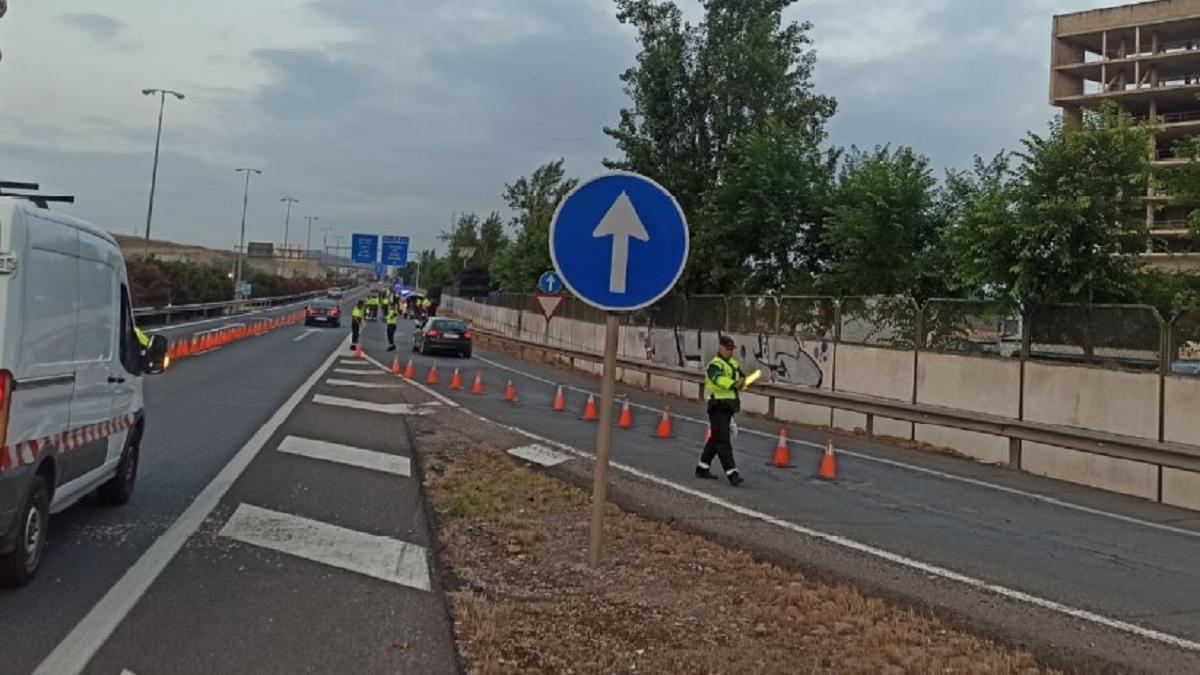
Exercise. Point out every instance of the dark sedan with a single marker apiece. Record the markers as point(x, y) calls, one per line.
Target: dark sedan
point(444, 335)
point(323, 311)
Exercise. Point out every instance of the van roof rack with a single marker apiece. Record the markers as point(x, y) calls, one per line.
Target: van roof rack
point(41, 201)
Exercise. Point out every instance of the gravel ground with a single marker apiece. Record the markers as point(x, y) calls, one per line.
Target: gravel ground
point(514, 541)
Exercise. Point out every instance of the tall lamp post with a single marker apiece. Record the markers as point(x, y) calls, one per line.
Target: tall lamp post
point(308, 239)
point(325, 244)
point(237, 284)
point(162, 104)
point(288, 217)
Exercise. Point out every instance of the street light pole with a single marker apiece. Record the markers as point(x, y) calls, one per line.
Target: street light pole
point(324, 243)
point(288, 217)
point(162, 104)
point(308, 239)
point(237, 287)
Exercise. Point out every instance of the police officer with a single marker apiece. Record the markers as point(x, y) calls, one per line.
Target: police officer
point(372, 306)
point(722, 381)
point(392, 318)
point(356, 319)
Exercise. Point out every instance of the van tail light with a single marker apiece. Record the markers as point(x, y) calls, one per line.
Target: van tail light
point(6, 387)
point(468, 335)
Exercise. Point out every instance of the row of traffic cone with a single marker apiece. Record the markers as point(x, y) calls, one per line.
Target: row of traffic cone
point(200, 343)
point(782, 459)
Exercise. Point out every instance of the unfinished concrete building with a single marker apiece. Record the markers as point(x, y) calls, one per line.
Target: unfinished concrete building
point(1145, 58)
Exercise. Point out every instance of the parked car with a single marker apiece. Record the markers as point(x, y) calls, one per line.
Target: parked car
point(334, 292)
point(71, 366)
point(323, 311)
point(444, 335)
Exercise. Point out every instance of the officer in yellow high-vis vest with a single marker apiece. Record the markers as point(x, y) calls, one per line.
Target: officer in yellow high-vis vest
point(356, 320)
point(723, 380)
point(392, 318)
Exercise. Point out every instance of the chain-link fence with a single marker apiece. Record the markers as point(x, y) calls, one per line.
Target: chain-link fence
point(753, 314)
point(808, 318)
point(971, 327)
point(1118, 336)
point(879, 321)
point(1185, 344)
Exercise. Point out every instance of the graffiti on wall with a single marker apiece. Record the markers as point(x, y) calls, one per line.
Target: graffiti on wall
point(783, 359)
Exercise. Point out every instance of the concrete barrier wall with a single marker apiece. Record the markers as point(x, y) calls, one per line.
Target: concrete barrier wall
point(975, 383)
point(1181, 422)
point(1092, 398)
point(886, 373)
point(1107, 473)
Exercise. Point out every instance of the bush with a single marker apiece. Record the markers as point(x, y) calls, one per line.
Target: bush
point(158, 283)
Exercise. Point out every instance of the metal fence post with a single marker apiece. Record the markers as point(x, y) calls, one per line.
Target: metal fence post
point(918, 342)
point(1015, 446)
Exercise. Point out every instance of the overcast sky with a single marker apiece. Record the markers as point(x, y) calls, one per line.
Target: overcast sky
point(389, 115)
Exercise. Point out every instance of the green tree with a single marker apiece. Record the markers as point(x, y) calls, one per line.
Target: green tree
point(981, 219)
point(884, 227)
point(1063, 226)
point(1182, 182)
point(533, 200)
point(492, 239)
point(700, 94)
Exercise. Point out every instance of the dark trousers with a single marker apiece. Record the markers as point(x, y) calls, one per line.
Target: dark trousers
point(720, 415)
point(355, 326)
point(391, 331)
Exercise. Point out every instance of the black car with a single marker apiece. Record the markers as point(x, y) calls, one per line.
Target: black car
point(323, 311)
point(446, 335)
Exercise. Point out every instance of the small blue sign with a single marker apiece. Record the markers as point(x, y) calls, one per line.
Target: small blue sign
point(395, 251)
point(550, 283)
point(364, 248)
point(619, 241)
point(380, 271)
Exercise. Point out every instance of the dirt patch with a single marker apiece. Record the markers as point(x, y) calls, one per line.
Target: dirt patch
point(515, 540)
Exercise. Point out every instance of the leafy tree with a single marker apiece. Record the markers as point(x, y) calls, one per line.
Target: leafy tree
point(884, 227)
point(1061, 228)
point(533, 200)
point(492, 239)
point(1182, 182)
point(699, 96)
point(981, 219)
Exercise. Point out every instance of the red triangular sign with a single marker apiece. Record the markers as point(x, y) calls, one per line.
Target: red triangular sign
point(550, 304)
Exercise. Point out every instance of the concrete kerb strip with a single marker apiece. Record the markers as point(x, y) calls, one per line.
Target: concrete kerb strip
point(840, 541)
point(1045, 499)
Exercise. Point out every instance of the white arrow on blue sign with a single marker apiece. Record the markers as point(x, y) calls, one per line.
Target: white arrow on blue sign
point(619, 241)
point(550, 283)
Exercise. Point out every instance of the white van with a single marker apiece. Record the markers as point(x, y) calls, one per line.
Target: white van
point(71, 365)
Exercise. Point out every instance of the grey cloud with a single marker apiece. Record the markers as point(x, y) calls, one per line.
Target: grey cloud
point(100, 27)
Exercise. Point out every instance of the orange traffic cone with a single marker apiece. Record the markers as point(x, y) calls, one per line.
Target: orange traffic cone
point(456, 380)
point(410, 371)
point(395, 365)
point(625, 421)
point(432, 378)
point(828, 470)
point(664, 424)
point(560, 402)
point(358, 353)
point(477, 388)
point(510, 392)
point(782, 458)
point(589, 411)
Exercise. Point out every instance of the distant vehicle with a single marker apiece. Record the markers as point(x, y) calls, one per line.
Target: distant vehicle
point(71, 366)
point(444, 335)
point(334, 292)
point(1186, 367)
point(323, 311)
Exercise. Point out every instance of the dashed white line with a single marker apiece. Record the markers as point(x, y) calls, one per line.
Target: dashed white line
point(74, 652)
point(361, 385)
point(304, 335)
point(356, 371)
point(391, 560)
point(348, 455)
point(845, 542)
point(1045, 499)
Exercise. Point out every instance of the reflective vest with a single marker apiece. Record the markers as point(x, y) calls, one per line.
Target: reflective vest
point(372, 301)
point(392, 317)
point(142, 338)
point(719, 378)
point(357, 312)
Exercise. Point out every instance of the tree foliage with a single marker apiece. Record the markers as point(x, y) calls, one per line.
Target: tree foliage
point(533, 200)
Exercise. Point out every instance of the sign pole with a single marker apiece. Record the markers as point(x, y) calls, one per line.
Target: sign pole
point(608, 385)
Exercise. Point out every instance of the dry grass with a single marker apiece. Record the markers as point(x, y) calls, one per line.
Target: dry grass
point(664, 602)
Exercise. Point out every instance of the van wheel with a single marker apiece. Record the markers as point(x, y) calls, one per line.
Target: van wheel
point(119, 488)
point(18, 567)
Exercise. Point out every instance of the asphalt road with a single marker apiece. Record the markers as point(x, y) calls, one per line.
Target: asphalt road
point(1122, 561)
point(213, 596)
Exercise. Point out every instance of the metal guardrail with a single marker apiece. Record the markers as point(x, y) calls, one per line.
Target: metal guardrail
point(1119, 446)
point(157, 316)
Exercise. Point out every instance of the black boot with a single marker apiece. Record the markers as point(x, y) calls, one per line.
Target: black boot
point(702, 472)
point(735, 479)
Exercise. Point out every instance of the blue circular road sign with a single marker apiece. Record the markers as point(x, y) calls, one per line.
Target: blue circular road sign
point(550, 283)
point(619, 241)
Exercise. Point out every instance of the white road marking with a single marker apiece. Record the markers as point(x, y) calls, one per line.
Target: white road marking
point(1045, 499)
point(360, 385)
point(355, 371)
point(385, 408)
point(74, 652)
point(391, 560)
point(346, 362)
point(126, 671)
point(348, 455)
point(303, 335)
point(846, 542)
point(539, 454)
